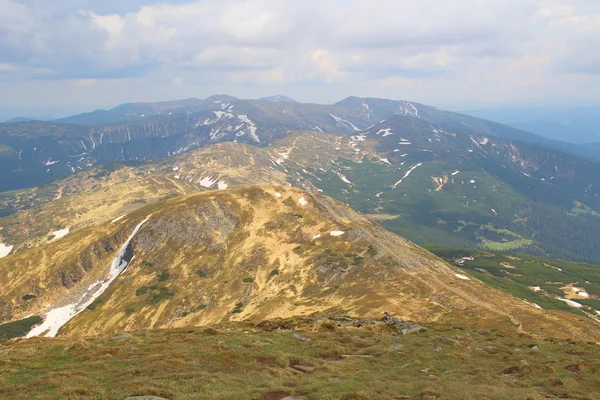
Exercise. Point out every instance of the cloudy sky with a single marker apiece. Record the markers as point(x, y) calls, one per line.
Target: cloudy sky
point(84, 54)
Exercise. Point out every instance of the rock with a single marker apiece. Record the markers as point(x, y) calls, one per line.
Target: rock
point(396, 347)
point(404, 327)
point(145, 398)
point(305, 368)
point(436, 348)
point(335, 379)
point(124, 336)
point(535, 348)
point(299, 336)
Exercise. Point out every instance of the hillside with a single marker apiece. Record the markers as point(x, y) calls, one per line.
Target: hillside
point(255, 253)
point(320, 358)
point(423, 182)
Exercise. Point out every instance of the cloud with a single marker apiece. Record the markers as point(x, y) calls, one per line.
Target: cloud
point(415, 45)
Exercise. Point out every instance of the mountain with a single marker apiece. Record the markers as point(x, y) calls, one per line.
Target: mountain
point(37, 152)
point(278, 97)
point(577, 125)
point(250, 254)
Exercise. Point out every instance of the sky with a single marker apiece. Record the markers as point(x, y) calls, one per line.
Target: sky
point(76, 55)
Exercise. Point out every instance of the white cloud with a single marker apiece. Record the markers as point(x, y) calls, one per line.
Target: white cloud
point(434, 50)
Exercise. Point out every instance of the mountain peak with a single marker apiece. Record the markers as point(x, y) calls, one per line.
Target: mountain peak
point(278, 97)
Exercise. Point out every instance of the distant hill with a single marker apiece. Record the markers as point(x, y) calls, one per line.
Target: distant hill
point(278, 97)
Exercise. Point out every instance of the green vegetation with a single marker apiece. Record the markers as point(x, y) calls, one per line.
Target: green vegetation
point(164, 276)
point(518, 274)
point(95, 304)
point(275, 272)
point(17, 329)
point(328, 362)
point(248, 280)
point(28, 297)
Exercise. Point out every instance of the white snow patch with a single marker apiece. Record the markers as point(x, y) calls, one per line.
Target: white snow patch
point(251, 126)
point(303, 201)
point(222, 185)
point(572, 303)
point(5, 250)
point(50, 162)
point(359, 138)
point(277, 194)
point(345, 123)
point(118, 219)
point(343, 178)
point(207, 182)
point(385, 160)
point(175, 168)
point(536, 289)
point(405, 143)
point(583, 294)
point(386, 132)
point(455, 173)
point(494, 211)
point(61, 233)
point(336, 233)
point(56, 318)
point(463, 277)
point(407, 174)
point(472, 181)
point(318, 235)
point(484, 141)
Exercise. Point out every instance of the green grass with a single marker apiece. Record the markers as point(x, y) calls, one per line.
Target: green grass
point(18, 328)
point(530, 271)
point(239, 361)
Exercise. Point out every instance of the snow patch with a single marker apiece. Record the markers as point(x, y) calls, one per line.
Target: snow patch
point(386, 132)
point(50, 162)
point(336, 233)
point(118, 219)
point(536, 289)
point(572, 303)
point(5, 250)
point(463, 277)
point(251, 126)
point(222, 185)
point(343, 178)
point(277, 194)
point(56, 318)
point(61, 233)
point(207, 182)
point(303, 201)
point(318, 235)
point(343, 123)
point(455, 173)
point(407, 174)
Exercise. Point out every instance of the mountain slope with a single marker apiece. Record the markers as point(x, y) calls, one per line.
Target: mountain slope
point(38, 152)
point(255, 253)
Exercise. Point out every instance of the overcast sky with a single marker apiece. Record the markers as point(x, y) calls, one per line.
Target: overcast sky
point(84, 54)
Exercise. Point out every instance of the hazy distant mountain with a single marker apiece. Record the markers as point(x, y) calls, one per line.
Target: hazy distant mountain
point(25, 119)
point(576, 125)
point(278, 97)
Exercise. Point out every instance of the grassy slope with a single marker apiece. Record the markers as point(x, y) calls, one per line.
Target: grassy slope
point(242, 362)
point(550, 275)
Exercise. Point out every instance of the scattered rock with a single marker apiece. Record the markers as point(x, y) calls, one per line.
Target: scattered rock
point(126, 336)
point(305, 368)
point(299, 336)
point(403, 327)
point(335, 379)
point(535, 348)
point(396, 347)
point(436, 348)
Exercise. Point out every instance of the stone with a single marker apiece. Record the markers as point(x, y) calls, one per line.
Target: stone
point(305, 368)
point(299, 336)
point(123, 336)
point(396, 347)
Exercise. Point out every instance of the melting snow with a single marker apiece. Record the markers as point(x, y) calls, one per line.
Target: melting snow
point(484, 141)
point(455, 173)
point(536, 289)
point(303, 201)
point(463, 277)
point(50, 162)
point(318, 235)
point(572, 303)
point(472, 181)
point(342, 177)
point(344, 123)
point(207, 182)
point(277, 194)
point(222, 185)
point(5, 250)
point(58, 317)
point(386, 132)
point(61, 233)
point(407, 174)
point(251, 126)
point(118, 219)
point(336, 233)
point(175, 168)
point(494, 211)
point(385, 160)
